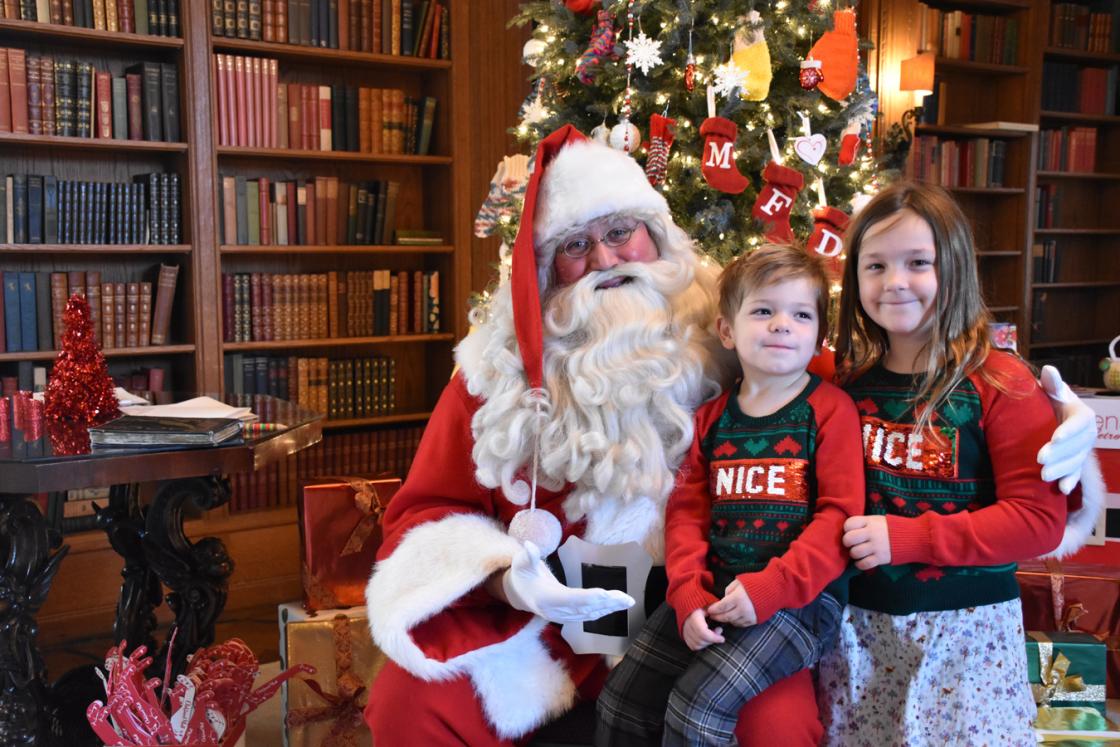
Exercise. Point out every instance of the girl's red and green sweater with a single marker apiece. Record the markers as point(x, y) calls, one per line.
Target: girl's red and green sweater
point(964, 502)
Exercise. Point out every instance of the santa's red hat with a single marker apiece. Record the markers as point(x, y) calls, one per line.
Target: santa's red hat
point(575, 181)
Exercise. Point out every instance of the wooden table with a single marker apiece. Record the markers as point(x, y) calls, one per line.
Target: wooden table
point(150, 538)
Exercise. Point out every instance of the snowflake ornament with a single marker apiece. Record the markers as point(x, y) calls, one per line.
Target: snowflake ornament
point(643, 52)
point(728, 78)
point(534, 111)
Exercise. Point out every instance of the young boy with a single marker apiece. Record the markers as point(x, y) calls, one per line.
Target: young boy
point(753, 527)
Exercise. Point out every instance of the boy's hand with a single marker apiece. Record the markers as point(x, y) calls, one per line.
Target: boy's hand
point(735, 608)
point(868, 541)
point(696, 633)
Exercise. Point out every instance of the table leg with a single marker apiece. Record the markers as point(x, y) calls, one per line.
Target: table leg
point(123, 522)
point(31, 553)
point(197, 573)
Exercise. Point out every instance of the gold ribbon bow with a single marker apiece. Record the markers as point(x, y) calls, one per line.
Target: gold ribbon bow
point(1064, 617)
point(344, 708)
point(1054, 671)
point(369, 503)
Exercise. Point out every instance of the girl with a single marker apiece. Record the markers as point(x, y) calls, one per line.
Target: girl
point(931, 646)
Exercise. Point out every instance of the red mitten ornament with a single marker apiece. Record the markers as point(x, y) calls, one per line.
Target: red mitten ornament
point(839, 56)
point(718, 165)
point(827, 240)
point(849, 143)
point(775, 200)
point(660, 139)
point(602, 45)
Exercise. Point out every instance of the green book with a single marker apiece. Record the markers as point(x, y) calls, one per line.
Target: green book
point(120, 109)
point(140, 16)
point(253, 200)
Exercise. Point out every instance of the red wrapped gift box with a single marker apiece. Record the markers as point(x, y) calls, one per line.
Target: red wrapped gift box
point(1075, 597)
point(340, 531)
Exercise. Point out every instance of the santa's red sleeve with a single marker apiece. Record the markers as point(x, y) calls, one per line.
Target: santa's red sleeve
point(443, 537)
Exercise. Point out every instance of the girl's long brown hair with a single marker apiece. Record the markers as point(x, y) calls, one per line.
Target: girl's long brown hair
point(959, 343)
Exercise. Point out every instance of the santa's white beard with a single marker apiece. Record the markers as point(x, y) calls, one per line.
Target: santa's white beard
point(622, 381)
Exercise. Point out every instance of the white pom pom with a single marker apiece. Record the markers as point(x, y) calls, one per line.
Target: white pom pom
point(625, 137)
point(601, 134)
point(531, 52)
point(537, 526)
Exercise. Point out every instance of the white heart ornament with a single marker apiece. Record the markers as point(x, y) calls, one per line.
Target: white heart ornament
point(810, 148)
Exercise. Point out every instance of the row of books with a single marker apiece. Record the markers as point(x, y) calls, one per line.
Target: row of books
point(1044, 261)
point(969, 36)
point(1047, 201)
point(43, 95)
point(122, 313)
point(256, 110)
point(1077, 26)
point(155, 17)
point(339, 389)
point(400, 27)
point(36, 209)
point(320, 211)
point(1067, 87)
point(31, 377)
point(383, 451)
point(259, 307)
point(1068, 149)
point(977, 162)
point(1081, 369)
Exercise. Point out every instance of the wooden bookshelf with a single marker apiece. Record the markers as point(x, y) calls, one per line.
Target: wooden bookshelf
point(320, 155)
point(404, 417)
point(392, 249)
point(329, 56)
point(148, 350)
point(52, 32)
point(88, 143)
point(331, 342)
point(94, 249)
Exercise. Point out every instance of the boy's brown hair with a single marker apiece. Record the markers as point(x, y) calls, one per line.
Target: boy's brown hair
point(771, 264)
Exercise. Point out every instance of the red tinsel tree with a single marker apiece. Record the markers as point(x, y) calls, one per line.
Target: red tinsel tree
point(80, 391)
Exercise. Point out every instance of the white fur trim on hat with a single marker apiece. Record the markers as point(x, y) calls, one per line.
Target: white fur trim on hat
point(587, 180)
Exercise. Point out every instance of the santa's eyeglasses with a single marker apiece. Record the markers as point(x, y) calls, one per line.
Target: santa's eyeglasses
point(580, 246)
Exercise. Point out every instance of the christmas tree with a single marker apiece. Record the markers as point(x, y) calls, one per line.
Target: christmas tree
point(80, 390)
point(676, 82)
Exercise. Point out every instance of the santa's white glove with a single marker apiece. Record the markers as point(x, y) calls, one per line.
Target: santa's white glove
point(1064, 456)
point(530, 586)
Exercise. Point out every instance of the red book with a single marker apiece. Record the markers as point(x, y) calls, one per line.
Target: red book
point(268, 18)
point(310, 118)
point(312, 238)
point(293, 213)
point(332, 211)
point(103, 82)
point(271, 82)
point(295, 118)
point(220, 85)
point(17, 85)
point(252, 100)
point(135, 110)
point(344, 24)
point(322, 226)
point(265, 212)
point(230, 107)
point(325, 118)
point(240, 100)
point(124, 16)
point(5, 94)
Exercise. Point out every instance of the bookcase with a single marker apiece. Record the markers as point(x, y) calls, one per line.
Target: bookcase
point(1074, 284)
point(427, 238)
point(1040, 175)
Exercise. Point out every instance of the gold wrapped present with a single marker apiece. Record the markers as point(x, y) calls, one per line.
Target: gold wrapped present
point(325, 709)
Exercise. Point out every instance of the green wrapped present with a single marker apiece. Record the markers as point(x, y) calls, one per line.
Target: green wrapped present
point(1066, 670)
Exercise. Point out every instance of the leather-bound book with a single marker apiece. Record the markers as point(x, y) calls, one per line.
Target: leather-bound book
point(93, 295)
point(5, 93)
point(145, 315)
point(106, 335)
point(241, 100)
point(83, 99)
point(132, 315)
point(17, 89)
point(227, 307)
point(268, 307)
point(119, 315)
point(292, 189)
point(150, 99)
point(217, 18)
point(34, 209)
point(242, 19)
point(34, 95)
point(252, 101)
point(264, 209)
point(169, 98)
point(125, 16)
point(103, 99)
point(119, 106)
point(165, 296)
point(134, 88)
point(268, 19)
point(280, 35)
point(280, 113)
point(331, 223)
point(58, 306)
point(313, 227)
point(325, 141)
point(112, 23)
point(43, 318)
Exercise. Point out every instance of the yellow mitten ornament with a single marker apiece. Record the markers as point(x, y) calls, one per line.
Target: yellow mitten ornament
point(751, 54)
point(839, 56)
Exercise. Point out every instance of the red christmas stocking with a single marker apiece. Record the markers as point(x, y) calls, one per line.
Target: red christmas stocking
point(602, 45)
point(839, 56)
point(829, 225)
point(718, 165)
point(775, 200)
point(660, 139)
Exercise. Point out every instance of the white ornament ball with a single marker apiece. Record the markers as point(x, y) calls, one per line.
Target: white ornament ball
point(601, 134)
point(537, 526)
point(625, 137)
point(532, 51)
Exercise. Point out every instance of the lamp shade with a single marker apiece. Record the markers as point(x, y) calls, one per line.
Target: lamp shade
point(917, 74)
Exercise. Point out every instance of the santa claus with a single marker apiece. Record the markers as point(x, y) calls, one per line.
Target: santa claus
point(574, 395)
